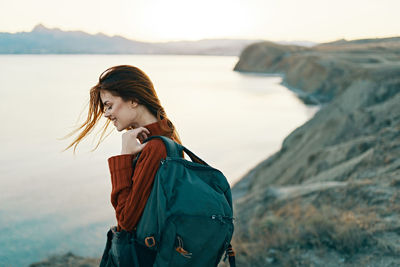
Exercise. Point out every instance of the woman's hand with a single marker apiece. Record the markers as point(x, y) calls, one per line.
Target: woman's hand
point(130, 145)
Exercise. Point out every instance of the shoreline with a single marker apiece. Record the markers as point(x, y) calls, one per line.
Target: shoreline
point(325, 197)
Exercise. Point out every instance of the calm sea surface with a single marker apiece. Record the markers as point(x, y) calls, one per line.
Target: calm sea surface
point(53, 202)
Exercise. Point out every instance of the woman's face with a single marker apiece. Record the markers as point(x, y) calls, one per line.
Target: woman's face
point(122, 114)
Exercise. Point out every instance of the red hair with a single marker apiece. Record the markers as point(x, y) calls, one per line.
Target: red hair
point(129, 83)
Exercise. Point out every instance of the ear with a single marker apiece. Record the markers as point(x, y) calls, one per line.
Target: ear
point(134, 103)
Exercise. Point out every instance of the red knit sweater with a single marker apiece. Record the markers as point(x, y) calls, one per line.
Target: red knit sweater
point(131, 189)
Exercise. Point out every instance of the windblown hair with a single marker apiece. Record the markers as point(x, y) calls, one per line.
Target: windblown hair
point(129, 83)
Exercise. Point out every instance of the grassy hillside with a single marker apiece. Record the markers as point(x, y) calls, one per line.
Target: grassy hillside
point(330, 196)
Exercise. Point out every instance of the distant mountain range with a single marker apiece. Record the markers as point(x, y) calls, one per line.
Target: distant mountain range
point(42, 40)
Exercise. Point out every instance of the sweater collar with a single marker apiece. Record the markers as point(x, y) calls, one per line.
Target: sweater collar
point(155, 128)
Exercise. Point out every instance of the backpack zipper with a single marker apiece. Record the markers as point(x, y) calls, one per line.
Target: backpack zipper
point(221, 218)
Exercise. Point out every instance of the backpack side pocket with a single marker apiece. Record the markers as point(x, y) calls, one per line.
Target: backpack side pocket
point(123, 251)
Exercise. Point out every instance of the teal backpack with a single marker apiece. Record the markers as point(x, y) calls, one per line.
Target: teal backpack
point(188, 218)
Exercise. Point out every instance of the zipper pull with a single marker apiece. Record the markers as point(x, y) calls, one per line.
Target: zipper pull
point(218, 217)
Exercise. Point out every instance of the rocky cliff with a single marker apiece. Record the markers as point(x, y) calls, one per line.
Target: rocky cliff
point(330, 196)
point(324, 71)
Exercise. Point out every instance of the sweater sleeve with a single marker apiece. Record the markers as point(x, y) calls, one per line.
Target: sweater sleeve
point(131, 189)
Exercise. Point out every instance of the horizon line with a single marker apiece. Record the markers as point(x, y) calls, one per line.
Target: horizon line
point(202, 39)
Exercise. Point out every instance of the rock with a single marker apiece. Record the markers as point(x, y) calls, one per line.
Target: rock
point(67, 260)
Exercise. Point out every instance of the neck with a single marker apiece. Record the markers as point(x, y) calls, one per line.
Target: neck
point(145, 118)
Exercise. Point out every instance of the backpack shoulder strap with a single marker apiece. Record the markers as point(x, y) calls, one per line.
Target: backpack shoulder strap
point(173, 149)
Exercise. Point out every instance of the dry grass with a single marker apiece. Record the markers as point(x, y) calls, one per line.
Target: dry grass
point(283, 235)
point(308, 227)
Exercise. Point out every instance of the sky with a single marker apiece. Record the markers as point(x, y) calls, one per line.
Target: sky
point(173, 20)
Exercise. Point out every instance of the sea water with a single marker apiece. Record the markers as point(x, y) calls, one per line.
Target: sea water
point(52, 202)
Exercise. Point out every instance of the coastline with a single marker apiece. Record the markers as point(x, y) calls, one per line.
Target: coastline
point(329, 196)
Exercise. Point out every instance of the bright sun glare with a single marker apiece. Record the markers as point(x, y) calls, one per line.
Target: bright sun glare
point(194, 20)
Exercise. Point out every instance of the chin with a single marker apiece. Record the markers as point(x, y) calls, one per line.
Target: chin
point(121, 128)
point(118, 128)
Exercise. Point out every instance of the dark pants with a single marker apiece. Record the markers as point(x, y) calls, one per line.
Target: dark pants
point(122, 250)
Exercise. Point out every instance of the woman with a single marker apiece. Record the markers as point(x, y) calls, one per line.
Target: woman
point(126, 97)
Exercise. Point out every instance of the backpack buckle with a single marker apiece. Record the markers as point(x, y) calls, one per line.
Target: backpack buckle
point(150, 241)
point(230, 254)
